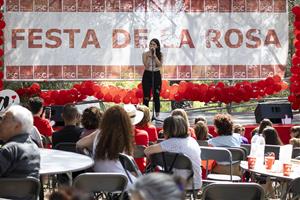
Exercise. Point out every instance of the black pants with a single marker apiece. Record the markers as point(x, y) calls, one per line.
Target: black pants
point(147, 85)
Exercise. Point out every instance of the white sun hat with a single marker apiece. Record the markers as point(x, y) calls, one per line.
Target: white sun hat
point(135, 115)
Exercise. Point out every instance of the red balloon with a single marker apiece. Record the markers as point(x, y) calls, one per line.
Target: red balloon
point(284, 85)
point(117, 99)
point(2, 24)
point(139, 93)
point(126, 99)
point(296, 10)
point(270, 81)
point(140, 86)
point(277, 78)
point(99, 95)
point(292, 98)
point(134, 100)
point(108, 98)
point(296, 106)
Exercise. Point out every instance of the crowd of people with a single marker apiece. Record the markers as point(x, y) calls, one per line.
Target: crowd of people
point(118, 130)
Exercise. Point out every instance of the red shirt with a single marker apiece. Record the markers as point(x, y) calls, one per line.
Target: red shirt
point(141, 138)
point(151, 130)
point(43, 125)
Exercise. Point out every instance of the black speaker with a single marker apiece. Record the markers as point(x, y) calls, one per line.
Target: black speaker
point(273, 111)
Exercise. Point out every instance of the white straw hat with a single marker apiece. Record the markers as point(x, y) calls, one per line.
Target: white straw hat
point(135, 115)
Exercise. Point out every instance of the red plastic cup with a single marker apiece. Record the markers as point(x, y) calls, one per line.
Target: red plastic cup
point(251, 162)
point(269, 161)
point(287, 168)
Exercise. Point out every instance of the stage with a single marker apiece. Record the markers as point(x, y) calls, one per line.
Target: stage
point(245, 119)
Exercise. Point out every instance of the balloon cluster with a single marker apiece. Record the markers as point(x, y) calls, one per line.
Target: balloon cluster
point(294, 96)
point(219, 92)
point(2, 26)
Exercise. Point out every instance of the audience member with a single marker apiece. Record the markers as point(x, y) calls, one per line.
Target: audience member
point(146, 125)
point(201, 131)
point(200, 118)
point(183, 114)
point(224, 128)
point(262, 125)
point(295, 136)
point(237, 128)
point(43, 125)
point(19, 156)
point(157, 186)
point(70, 132)
point(115, 137)
point(178, 141)
point(91, 120)
point(140, 136)
point(271, 136)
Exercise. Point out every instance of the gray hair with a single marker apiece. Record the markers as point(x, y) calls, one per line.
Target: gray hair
point(158, 186)
point(23, 116)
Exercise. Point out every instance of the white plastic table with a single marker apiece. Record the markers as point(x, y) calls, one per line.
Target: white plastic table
point(58, 162)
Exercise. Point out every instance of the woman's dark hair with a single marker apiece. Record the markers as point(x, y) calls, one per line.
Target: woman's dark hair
point(224, 124)
point(175, 127)
point(157, 50)
point(263, 124)
point(296, 131)
point(201, 130)
point(200, 118)
point(116, 134)
point(35, 104)
point(271, 136)
point(91, 118)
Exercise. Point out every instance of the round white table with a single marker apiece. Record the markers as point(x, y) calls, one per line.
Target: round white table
point(274, 173)
point(58, 162)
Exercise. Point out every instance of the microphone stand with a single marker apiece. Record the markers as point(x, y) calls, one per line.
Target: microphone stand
point(153, 89)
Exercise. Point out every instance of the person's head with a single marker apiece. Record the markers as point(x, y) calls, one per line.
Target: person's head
point(181, 113)
point(116, 134)
point(201, 130)
point(146, 119)
point(263, 124)
point(175, 127)
point(237, 128)
point(295, 132)
point(16, 120)
point(271, 136)
point(200, 118)
point(295, 142)
point(70, 114)
point(136, 116)
point(223, 124)
point(157, 186)
point(154, 43)
point(36, 105)
point(91, 118)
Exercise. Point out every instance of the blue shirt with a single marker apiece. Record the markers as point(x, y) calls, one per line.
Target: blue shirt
point(233, 140)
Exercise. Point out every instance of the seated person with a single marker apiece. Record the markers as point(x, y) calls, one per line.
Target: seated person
point(237, 128)
point(70, 132)
point(271, 136)
point(201, 131)
point(19, 156)
point(43, 125)
point(224, 128)
point(90, 120)
point(146, 125)
point(183, 114)
point(178, 141)
point(262, 125)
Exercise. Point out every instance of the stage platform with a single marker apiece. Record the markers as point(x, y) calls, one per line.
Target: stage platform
point(245, 119)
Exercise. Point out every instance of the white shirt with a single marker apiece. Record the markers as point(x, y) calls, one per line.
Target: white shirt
point(190, 148)
point(233, 140)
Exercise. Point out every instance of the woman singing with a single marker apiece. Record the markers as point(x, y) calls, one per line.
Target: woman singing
point(152, 60)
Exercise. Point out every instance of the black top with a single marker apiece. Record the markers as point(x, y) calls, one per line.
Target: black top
point(66, 134)
point(19, 158)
